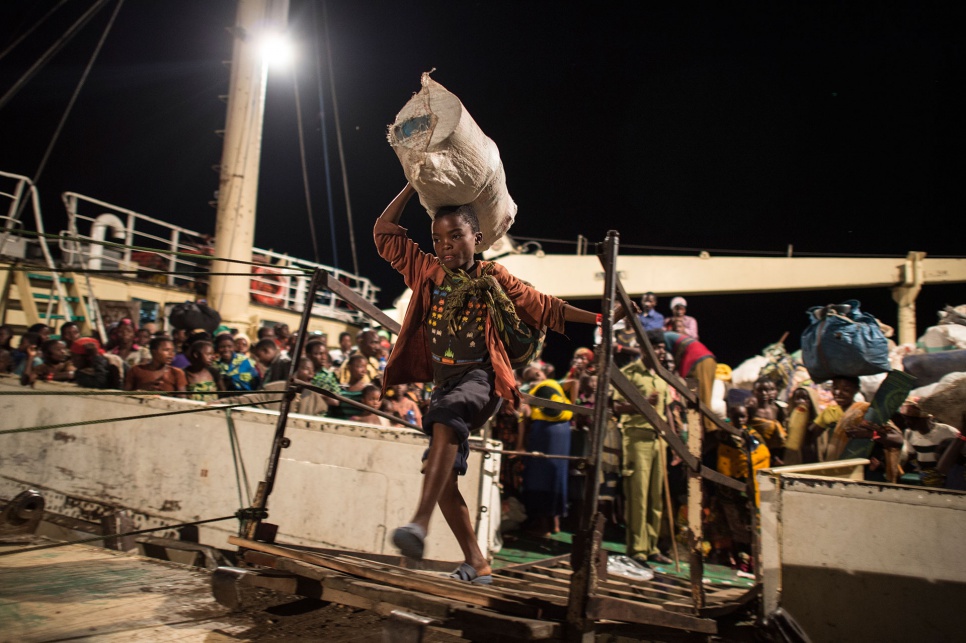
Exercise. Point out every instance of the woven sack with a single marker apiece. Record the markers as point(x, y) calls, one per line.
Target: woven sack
point(450, 161)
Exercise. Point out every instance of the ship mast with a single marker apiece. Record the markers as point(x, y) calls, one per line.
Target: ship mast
point(238, 182)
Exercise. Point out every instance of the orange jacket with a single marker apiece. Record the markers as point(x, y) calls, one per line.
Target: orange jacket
point(418, 269)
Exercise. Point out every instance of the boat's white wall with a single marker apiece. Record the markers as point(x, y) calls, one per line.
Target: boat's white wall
point(860, 561)
point(341, 485)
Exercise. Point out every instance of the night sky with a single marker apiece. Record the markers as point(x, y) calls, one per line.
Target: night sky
point(833, 127)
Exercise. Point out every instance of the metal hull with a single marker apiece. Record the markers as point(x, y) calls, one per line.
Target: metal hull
point(341, 485)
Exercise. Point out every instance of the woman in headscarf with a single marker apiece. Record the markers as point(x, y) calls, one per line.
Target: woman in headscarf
point(243, 343)
point(545, 479)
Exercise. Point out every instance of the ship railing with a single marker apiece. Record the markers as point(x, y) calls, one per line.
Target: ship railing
point(155, 250)
point(21, 195)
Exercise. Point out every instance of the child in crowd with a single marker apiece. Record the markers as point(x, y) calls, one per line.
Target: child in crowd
point(182, 339)
point(238, 371)
point(406, 403)
point(92, 369)
point(202, 377)
point(141, 338)
point(41, 329)
point(55, 364)
point(804, 405)
point(243, 343)
point(449, 336)
point(358, 373)
point(125, 347)
point(730, 531)
point(158, 374)
point(370, 396)
point(27, 352)
point(322, 374)
point(273, 364)
point(925, 441)
point(345, 348)
point(767, 418)
point(69, 331)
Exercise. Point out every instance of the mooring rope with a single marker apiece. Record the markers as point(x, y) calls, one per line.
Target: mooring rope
point(94, 539)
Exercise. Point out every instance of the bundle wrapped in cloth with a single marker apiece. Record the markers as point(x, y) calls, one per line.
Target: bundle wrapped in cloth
point(450, 161)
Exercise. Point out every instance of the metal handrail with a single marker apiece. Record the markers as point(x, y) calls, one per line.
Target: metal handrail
point(287, 288)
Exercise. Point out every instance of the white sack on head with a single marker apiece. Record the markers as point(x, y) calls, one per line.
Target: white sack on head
point(450, 161)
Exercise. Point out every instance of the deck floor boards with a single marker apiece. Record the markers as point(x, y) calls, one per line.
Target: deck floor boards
point(86, 592)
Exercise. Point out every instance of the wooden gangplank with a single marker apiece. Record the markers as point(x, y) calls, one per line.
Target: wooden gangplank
point(525, 602)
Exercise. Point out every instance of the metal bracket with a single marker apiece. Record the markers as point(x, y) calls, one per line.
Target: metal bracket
point(226, 583)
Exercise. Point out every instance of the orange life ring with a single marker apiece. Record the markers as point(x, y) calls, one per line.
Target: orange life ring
point(268, 287)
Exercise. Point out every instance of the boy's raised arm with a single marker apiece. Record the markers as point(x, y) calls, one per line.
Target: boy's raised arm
point(394, 210)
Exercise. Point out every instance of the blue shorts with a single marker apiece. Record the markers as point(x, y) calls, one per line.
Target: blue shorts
point(462, 403)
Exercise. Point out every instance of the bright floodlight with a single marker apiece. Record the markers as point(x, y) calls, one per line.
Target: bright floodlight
point(277, 49)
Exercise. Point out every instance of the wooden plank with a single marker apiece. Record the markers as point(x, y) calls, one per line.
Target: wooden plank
point(480, 595)
point(383, 599)
point(617, 586)
point(617, 609)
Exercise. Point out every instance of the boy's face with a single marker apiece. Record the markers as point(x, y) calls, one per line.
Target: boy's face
point(345, 343)
point(454, 242)
point(163, 354)
point(648, 302)
point(266, 355)
point(125, 334)
point(843, 392)
point(56, 353)
point(318, 356)
point(766, 391)
point(738, 416)
point(305, 372)
point(70, 333)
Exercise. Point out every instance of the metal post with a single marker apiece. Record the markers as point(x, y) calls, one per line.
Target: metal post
point(586, 545)
point(256, 513)
point(695, 497)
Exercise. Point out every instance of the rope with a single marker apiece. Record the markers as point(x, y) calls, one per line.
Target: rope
point(47, 427)
point(105, 537)
point(237, 459)
point(132, 393)
point(110, 271)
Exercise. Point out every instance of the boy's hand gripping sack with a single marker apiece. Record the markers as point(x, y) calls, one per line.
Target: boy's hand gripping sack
point(450, 161)
point(843, 341)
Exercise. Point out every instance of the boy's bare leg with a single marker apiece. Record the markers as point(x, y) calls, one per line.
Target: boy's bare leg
point(457, 516)
point(436, 472)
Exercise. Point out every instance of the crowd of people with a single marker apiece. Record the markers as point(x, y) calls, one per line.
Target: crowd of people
point(225, 365)
point(785, 417)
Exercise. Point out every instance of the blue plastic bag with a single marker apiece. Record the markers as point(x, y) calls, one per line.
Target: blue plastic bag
point(843, 341)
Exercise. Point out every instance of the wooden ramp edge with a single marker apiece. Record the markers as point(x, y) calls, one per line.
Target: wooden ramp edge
point(532, 603)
